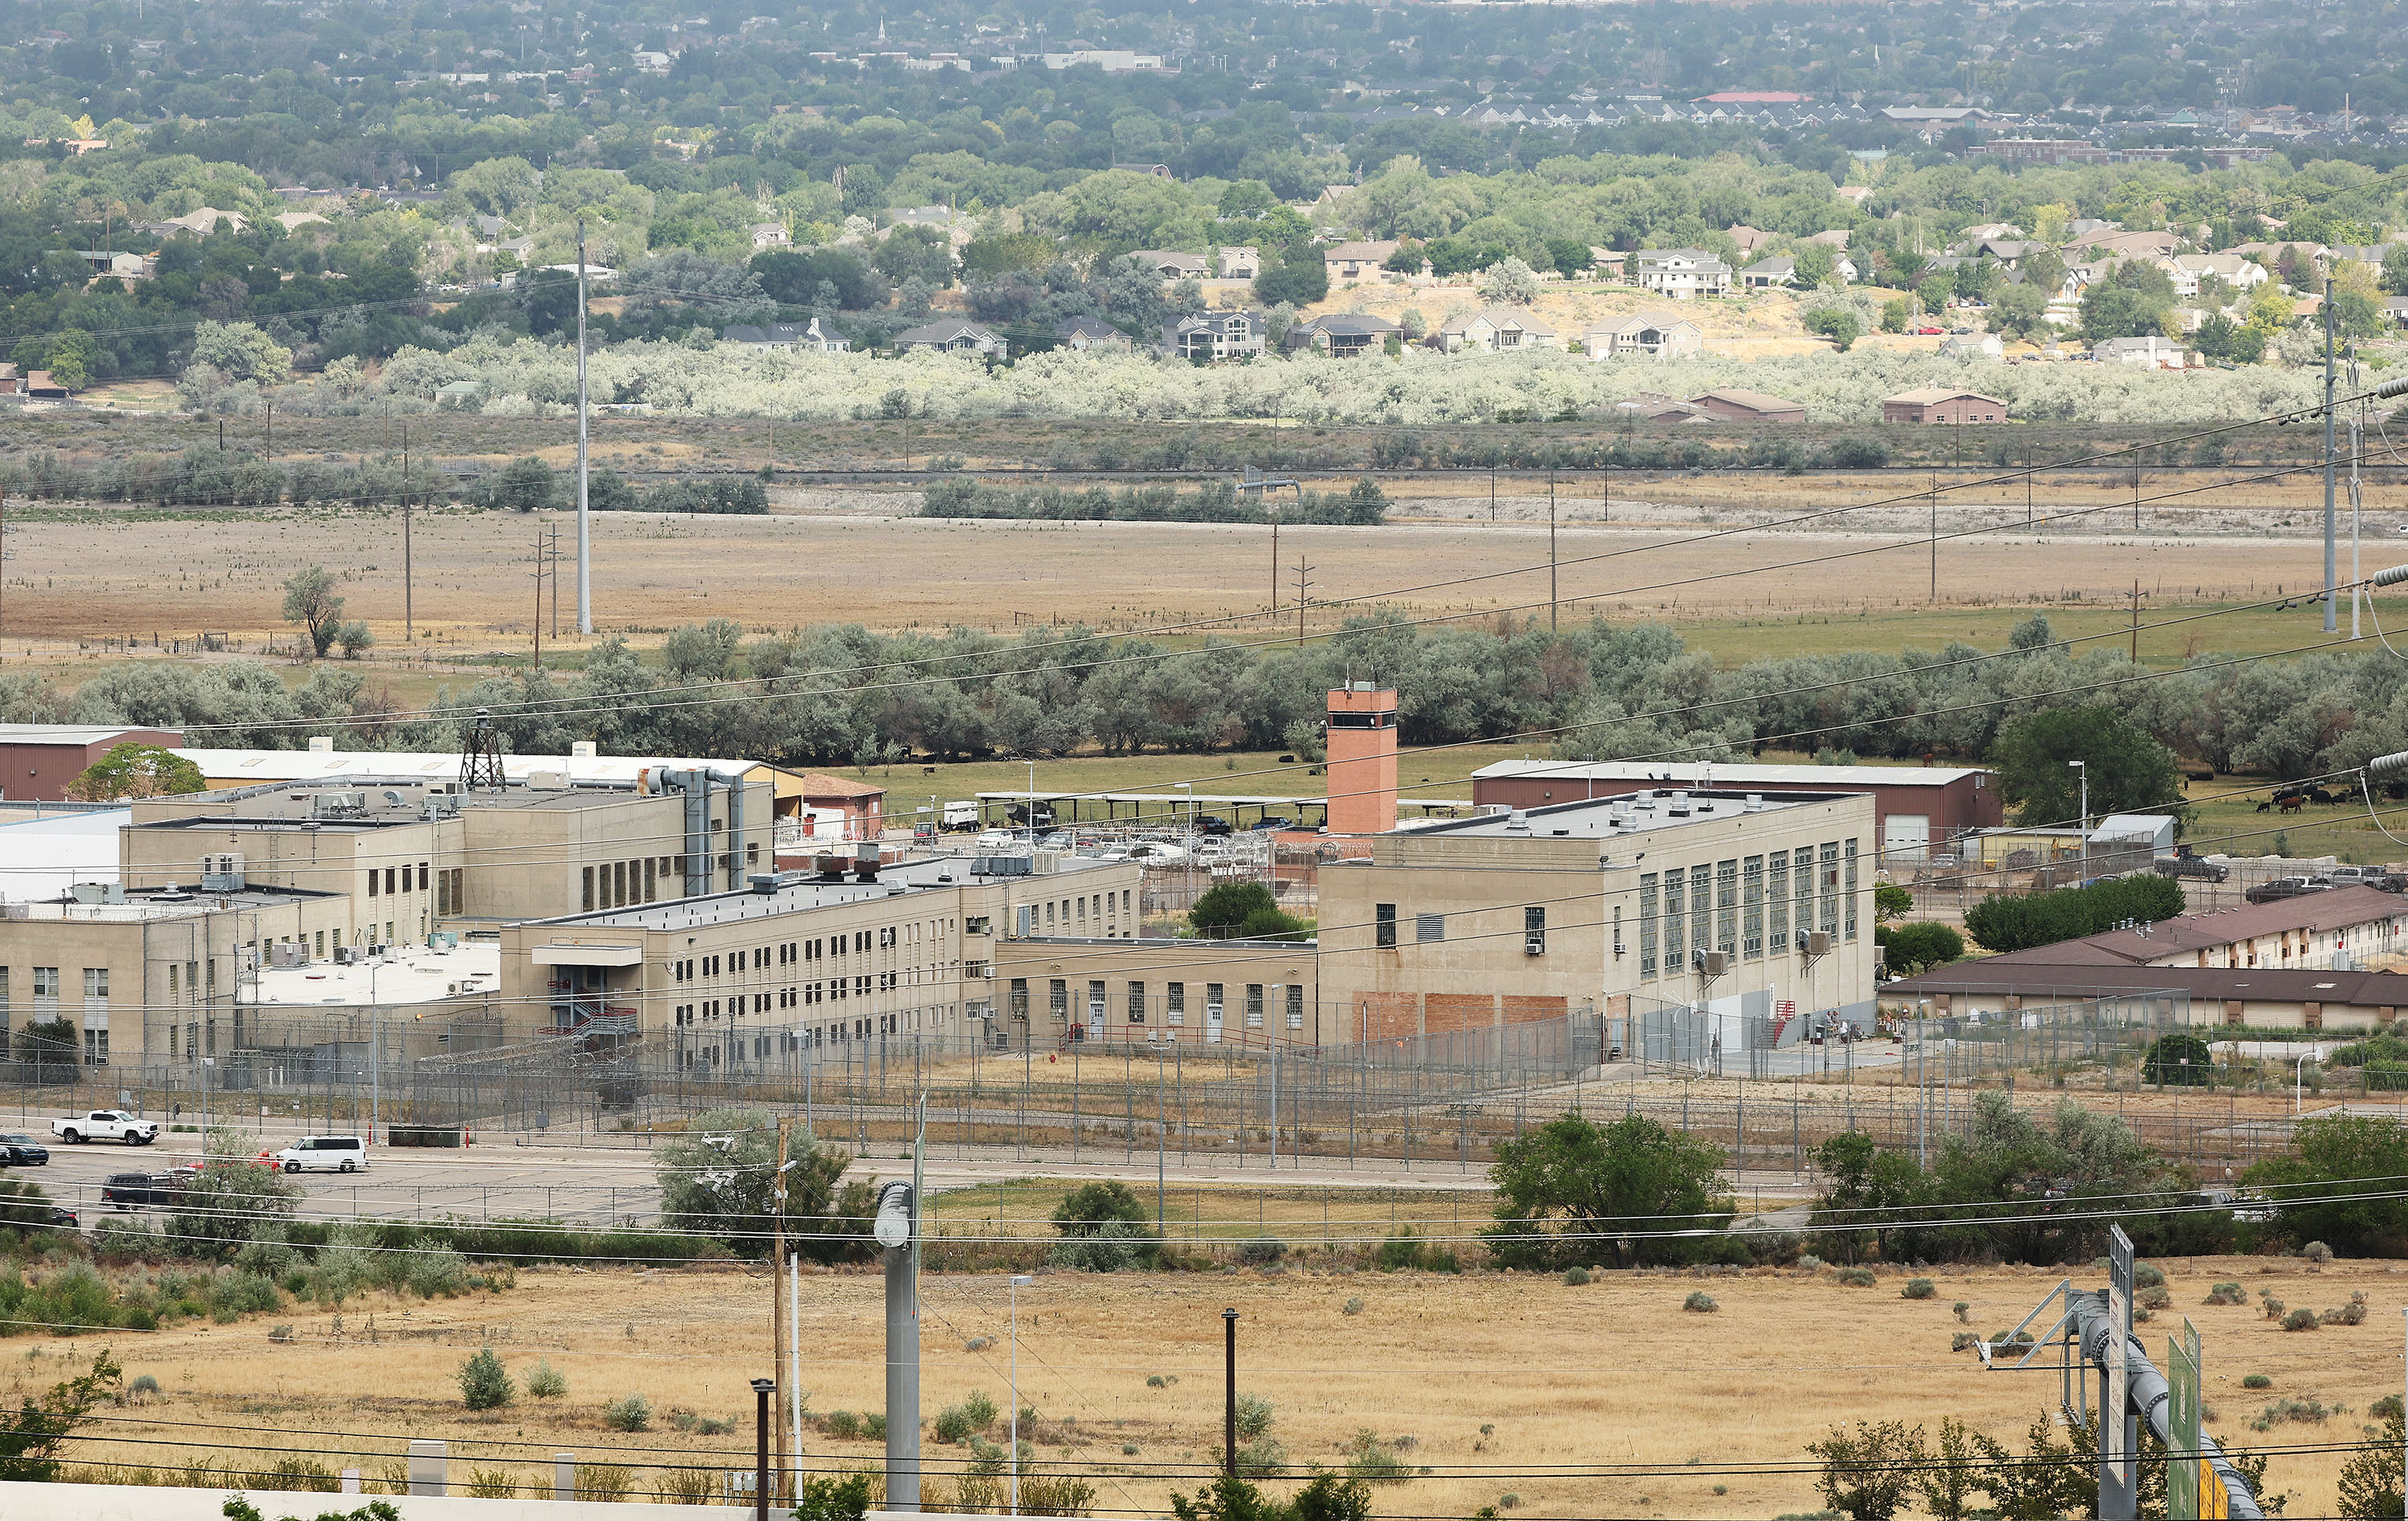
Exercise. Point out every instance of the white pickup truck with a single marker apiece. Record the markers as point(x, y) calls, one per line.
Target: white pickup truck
point(106, 1125)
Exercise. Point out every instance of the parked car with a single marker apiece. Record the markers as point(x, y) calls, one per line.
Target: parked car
point(998, 840)
point(2199, 867)
point(1208, 826)
point(128, 1190)
point(2283, 887)
point(2383, 879)
point(1273, 821)
point(23, 1150)
point(324, 1153)
point(106, 1125)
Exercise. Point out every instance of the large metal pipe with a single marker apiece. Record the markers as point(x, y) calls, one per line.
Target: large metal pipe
point(2150, 1396)
point(894, 1232)
point(696, 783)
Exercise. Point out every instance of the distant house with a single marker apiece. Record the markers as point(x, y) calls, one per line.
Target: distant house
point(954, 334)
point(1747, 407)
point(1240, 262)
point(771, 234)
point(1214, 337)
point(2188, 270)
point(1090, 334)
point(1172, 264)
point(774, 335)
point(1974, 346)
point(1836, 238)
point(1358, 261)
point(291, 220)
point(2133, 245)
point(1938, 403)
point(121, 266)
point(1502, 329)
point(1656, 333)
point(41, 387)
point(1653, 407)
point(1763, 275)
point(1680, 274)
point(2395, 310)
point(458, 393)
point(2150, 353)
point(201, 222)
point(1747, 240)
point(1345, 335)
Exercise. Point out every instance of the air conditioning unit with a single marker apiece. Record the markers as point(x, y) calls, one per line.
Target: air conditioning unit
point(1534, 945)
point(1814, 942)
point(1710, 963)
point(222, 873)
point(346, 955)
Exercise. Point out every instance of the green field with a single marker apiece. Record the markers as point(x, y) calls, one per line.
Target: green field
point(2169, 635)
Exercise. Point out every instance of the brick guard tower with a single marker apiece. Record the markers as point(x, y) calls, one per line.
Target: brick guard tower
point(1362, 738)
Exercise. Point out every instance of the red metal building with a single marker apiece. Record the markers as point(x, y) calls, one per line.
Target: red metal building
point(39, 760)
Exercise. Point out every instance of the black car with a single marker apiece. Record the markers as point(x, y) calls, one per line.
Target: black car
point(127, 1190)
point(1206, 824)
point(23, 1150)
point(2192, 866)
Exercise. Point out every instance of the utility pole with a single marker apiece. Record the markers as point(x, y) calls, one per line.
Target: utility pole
point(2331, 620)
point(1935, 539)
point(585, 517)
point(2357, 450)
point(1303, 586)
point(1552, 599)
point(778, 1272)
point(271, 429)
point(552, 554)
point(2027, 495)
point(409, 587)
point(2136, 491)
point(2136, 622)
point(1609, 490)
point(538, 602)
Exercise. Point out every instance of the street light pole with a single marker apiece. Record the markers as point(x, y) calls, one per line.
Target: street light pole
point(1230, 1393)
point(1019, 1281)
point(2082, 768)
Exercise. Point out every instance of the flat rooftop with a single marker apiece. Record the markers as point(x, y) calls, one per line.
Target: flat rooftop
point(159, 903)
point(410, 974)
point(352, 766)
point(1615, 818)
point(801, 893)
point(381, 803)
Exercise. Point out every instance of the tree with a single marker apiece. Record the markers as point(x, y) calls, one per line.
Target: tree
point(242, 352)
point(1093, 1204)
point(1509, 282)
point(1837, 323)
point(1565, 1188)
point(73, 358)
point(1813, 265)
point(2395, 269)
point(485, 1382)
point(2180, 1059)
point(1868, 1187)
point(719, 1178)
point(355, 636)
point(527, 485)
point(231, 1198)
point(832, 1500)
point(1570, 257)
point(1868, 1471)
point(310, 600)
point(2130, 772)
point(2339, 1183)
point(2017, 922)
point(136, 771)
point(1909, 949)
point(1226, 906)
point(2369, 1479)
point(1891, 901)
point(1103, 1226)
point(30, 1444)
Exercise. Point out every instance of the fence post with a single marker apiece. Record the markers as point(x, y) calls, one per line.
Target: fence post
point(564, 1475)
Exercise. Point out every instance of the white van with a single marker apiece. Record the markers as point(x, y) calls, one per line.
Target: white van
point(324, 1153)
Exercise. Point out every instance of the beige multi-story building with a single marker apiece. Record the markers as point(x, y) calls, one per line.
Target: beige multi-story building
point(806, 966)
point(412, 857)
point(150, 975)
point(1679, 897)
point(1158, 992)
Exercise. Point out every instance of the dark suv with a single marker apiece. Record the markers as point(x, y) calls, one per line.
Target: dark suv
point(127, 1190)
point(2192, 866)
point(2283, 887)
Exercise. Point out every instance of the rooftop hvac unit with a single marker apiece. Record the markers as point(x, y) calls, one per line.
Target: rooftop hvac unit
point(346, 955)
point(339, 802)
point(222, 873)
point(547, 780)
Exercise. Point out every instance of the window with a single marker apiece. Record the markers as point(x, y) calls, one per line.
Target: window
point(1137, 1003)
point(1647, 923)
point(1095, 1004)
point(1383, 927)
point(1295, 1006)
point(96, 1042)
point(1776, 897)
point(588, 899)
point(1751, 903)
point(1428, 928)
point(95, 981)
point(1060, 1007)
point(1829, 869)
point(1534, 930)
point(422, 876)
point(1849, 911)
point(372, 881)
point(1174, 1003)
point(1701, 904)
point(1675, 921)
point(387, 881)
point(1253, 1006)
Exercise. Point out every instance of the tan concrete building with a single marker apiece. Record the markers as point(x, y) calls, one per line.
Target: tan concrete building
point(1160, 992)
point(148, 976)
point(412, 857)
point(1674, 896)
point(816, 966)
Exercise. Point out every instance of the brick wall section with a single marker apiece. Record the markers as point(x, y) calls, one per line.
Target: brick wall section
point(1522, 1009)
point(1444, 1012)
point(1390, 1016)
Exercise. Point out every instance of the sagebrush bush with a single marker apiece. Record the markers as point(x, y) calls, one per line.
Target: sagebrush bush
point(2316, 1252)
point(2302, 1319)
point(1262, 1250)
point(2256, 1380)
point(1700, 1302)
point(1858, 1277)
point(1576, 1277)
point(493, 1483)
point(1919, 1288)
point(1351, 1307)
point(485, 1382)
point(608, 1481)
point(1962, 1341)
point(628, 1412)
point(2147, 1276)
point(2226, 1294)
point(545, 1381)
point(2351, 1313)
point(843, 1425)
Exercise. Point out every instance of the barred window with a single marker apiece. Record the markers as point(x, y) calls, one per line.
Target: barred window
point(1751, 902)
point(1675, 930)
point(1726, 908)
point(1776, 897)
point(1137, 1003)
point(1828, 868)
point(1849, 912)
point(1701, 904)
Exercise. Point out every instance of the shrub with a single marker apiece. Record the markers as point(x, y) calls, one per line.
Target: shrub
point(1351, 1307)
point(2157, 1297)
point(1507, 1501)
point(608, 1481)
point(2256, 1380)
point(980, 1409)
point(305, 1474)
point(2301, 1411)
point(2226, 1294)
point(2351, 1313)
point(1373, 1461)
point(1700, 1302)
point(1050, 1494)
point(686, 1486)
point(1262, 1250)
point(1254, 1414)
point(628, 1412)
point(843, 1425)
point(2273, 1306)
point(437, 1270)
point(484, 1384)
point(144, 1384)
point(2316, 1252)
point(1576, 1277)
point(1919, 1288)
point(873, 1425)
point(493, 1483)
point(1962, 1341)
point(545, 1381)
point(1154, 1381)
point(1964, 1312)
point(953, 1425)
point(1857, 1277)
point(2302, 1319)
point(2147, 1276)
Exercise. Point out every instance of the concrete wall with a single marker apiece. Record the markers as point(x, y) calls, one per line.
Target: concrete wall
point(121, 1502)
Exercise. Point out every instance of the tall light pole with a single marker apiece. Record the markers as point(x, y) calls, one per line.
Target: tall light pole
point(584, 520)
point(2330, 621)
point(2082, 769)
point(1019, 1281)
point(1189, 843)
point(1032, 807)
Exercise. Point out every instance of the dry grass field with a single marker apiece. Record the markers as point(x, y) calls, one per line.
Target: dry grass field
point(1499, 1381)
